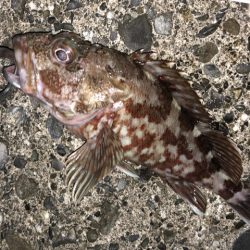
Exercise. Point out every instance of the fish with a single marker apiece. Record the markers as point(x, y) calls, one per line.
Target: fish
point(128, 109)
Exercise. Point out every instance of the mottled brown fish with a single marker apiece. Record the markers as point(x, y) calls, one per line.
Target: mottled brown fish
point(128, 108)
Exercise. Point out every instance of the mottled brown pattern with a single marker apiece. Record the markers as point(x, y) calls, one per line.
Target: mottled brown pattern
point(52, 80)
point(182, 147)
point(203, 145)
point(186, 123)
point(169, 138)
point(156, 114)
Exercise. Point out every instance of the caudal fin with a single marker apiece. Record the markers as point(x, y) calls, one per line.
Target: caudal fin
point(240, 202)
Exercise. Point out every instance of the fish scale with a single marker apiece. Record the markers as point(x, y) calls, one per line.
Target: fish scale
point(128, 109)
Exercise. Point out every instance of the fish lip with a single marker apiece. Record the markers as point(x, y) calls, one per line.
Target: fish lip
point(10, 74)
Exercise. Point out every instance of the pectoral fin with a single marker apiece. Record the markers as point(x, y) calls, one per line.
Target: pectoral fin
point(189, 192)
point(92, 161)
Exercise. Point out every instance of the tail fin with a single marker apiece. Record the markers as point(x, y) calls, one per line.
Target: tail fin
point(240, 202)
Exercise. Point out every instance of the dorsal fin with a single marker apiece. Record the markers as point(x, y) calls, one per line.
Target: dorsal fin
point(224, 153)
point(174, 81)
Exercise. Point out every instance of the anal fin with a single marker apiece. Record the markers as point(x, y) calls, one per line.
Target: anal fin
point(127, 168)
point(190, 193)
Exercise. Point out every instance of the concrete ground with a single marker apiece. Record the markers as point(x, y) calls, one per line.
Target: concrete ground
point(209, 40)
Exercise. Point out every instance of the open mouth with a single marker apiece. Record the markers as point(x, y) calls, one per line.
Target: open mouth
point(10, 72)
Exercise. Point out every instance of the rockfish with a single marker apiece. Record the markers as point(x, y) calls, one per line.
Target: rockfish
point(128, 109)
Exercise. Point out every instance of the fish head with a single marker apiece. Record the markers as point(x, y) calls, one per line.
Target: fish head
point(49, 68)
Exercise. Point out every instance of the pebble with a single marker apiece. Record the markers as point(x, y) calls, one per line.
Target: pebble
point(114, 246)
point(135, 3)
point(54, 127)
point(73, 4)
point(92, 235)
point(20, 162)
point(49, 202)
point(121, 185)
point(18, 6)
point(136, 33)
point(133, 237)
point(14, 242)
point(215, 101)
point(229, 117)
point(243, 68)
point(3, 154)
point(211, 70)
point(163, 24)
point(168, 236)
point(208, 30)
point(34, 155)
point(206, 52)
point(56, 164)
point(61, 150)
point(243, 241)
point(109, 216)
point(145, 242)
point(25, 187)
point(231, 26)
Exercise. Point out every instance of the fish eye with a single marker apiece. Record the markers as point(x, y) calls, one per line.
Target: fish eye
point(63, 53)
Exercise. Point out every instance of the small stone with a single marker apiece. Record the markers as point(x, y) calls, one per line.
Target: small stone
point(239, 224)
point(202, 18)
point(211, 70)
point(229, 117)
point(243, 68)
point(230, 216)
point(49, 202)
point(133, 237)
point(73, 4)
point(114, 246)
point(61, 150)
point(25, 187)
point(216, 100)
point(20, 162)
point(51, 19)
point(18, 6)
point(168, 236)
point(145, 242)
point(34, 155)
point(56, 164)
point(162, 246)
point(3, 154)
point(19, 114)
point(243, 241)
point(206, 52)
point(92, 235)
point(231, 26)
point(14, 242)
point(54, 127)
point(103, 6)
point(137, 33)
point(109, 216)
point(135, 3)
point(121, 185)
point(240, 107)
point(208, 30)
point(163, 24)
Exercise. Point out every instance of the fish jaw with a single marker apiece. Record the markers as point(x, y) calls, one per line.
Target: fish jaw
point(25, 65)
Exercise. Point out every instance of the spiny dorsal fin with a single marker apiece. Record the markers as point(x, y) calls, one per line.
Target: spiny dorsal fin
point(225, 154)
point(92, 161)
point(180, 89)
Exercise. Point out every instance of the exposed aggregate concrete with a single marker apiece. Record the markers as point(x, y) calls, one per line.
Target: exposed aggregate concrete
point(209, 40)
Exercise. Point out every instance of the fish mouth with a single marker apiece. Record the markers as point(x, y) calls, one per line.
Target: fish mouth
point(17, 74)
point(10, 72)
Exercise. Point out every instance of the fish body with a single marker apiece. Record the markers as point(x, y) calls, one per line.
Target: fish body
point(128, 109)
